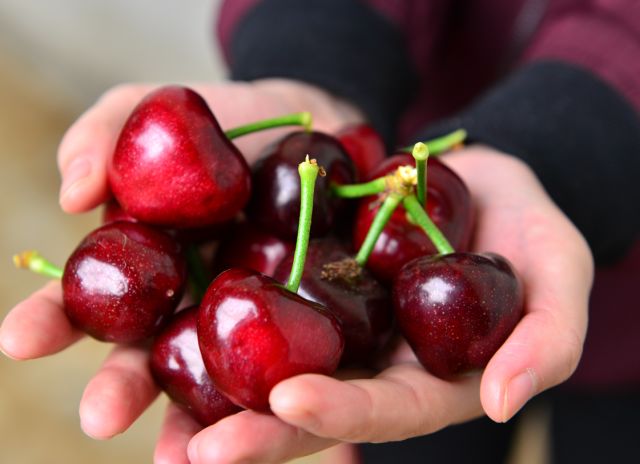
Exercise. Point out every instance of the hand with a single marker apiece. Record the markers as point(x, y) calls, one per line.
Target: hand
point(517, 219)
point(37, 327)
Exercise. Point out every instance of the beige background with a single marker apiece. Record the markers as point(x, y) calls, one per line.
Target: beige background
point(55, 60)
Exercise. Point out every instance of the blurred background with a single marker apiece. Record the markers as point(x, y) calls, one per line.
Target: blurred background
point(56, 59)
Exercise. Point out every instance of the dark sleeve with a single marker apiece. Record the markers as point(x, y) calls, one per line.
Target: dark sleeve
point(571, 112)
point(342, 46)
point(578, 134)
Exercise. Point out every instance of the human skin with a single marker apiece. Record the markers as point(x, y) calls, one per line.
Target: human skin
point(516, 218)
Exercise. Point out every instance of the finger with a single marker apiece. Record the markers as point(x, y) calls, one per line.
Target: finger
point(403, 401)
point(88, 144)
point(546, 346)
point(38, 326)
point(116, 396)
point(177, 430)
point(255, 437)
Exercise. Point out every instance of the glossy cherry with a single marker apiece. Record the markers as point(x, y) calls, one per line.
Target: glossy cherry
point(250, 246)
point(448, 204)
point(177, 367)
point(275, 201)
point(253, 333)
point(123, 281)
point(456, 310)
point(364, 146)
point(173, 165)
point(361, 303)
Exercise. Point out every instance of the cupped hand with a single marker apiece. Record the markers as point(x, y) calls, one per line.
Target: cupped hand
point(516, 219)
point(123, 387)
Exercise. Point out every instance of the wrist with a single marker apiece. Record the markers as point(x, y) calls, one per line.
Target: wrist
point(330, 113)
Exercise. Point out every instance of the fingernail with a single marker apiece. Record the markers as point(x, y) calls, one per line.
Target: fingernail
point(286, 405)
point(77, 170)
point(3, 349)
point(192, 449)
point(519, 390)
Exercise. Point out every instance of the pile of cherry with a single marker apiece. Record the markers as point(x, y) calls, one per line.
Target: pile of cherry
point(380, 264)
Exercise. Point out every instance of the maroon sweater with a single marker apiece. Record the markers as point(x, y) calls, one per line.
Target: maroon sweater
point(554, 82)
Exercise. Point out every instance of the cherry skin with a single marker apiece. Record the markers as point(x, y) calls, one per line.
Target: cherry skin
point(448, 204)
point(123, 281)
point(275, 201)
point(364, 146)
point(456, 310)
point(177, 367)
point(253, 333)
point(251, 247)
point(361, 304)
point(173, 165)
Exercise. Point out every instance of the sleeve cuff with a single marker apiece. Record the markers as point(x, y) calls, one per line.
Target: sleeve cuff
point(580, 137)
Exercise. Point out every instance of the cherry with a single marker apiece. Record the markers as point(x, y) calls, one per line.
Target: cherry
point(251, 247)
point(364, 146)
point(123, 281)
point(253, 333)
point(275, 202)
point(361, 304)
point(174, 166)
point(449, 205)
point(456, 310)
point(177, 367)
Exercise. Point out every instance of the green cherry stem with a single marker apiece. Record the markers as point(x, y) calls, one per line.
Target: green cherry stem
point(365, 189)
point(296, 119)
point(35, 263)
point(420, 154)
point(379, 221)
point(441, 144)
point(422, 219)
point(308, 171)
point(198, 275)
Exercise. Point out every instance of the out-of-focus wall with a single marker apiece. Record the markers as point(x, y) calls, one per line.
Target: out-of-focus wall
point(81, 47)
point(56, 58)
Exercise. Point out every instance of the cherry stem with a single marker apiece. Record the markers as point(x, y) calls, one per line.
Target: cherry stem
point(379, 221)
point(35, 263)
point(365, 189)
point(420, 154)
point(198, 276)
point(439, 145)
point(422, 219)
point(295, 119)
point(308, 171)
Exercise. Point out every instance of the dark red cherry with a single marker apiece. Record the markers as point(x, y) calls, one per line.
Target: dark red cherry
point(253, 333)
point(448, 203)
point(275, 201)
point(177, 367)
point(123, 281)
point(361, 303)
point(173, 165)
point(364, 146)
point(250, 246)
point(457, 310)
